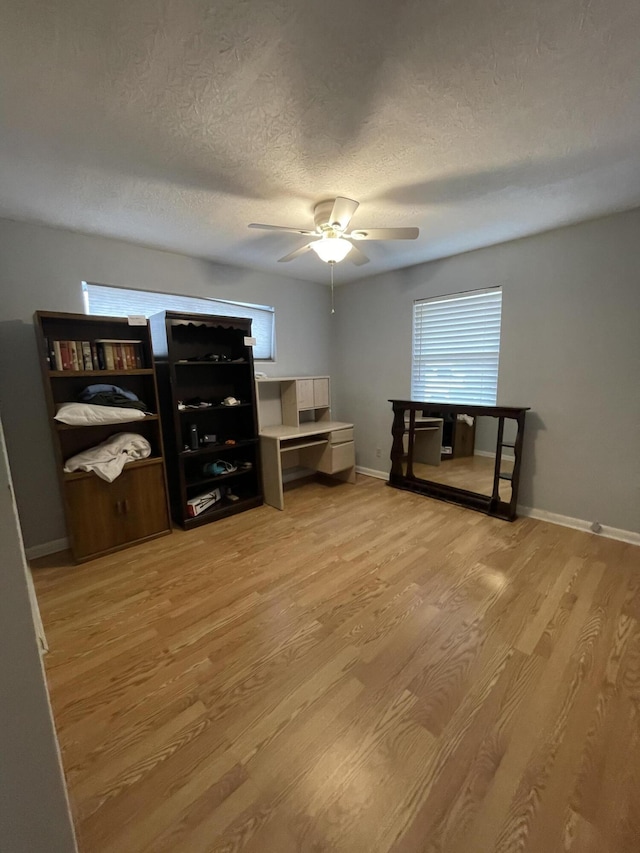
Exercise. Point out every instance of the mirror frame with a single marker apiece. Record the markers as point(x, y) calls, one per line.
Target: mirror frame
point(489, 504)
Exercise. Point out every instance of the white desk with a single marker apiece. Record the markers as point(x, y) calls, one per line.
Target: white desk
point(325, 446)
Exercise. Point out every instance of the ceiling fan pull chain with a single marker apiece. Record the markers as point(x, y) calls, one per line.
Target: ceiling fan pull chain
point(332, 265)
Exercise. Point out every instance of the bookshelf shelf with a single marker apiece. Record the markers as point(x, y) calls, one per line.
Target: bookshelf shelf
point(204, 481)
point(122, 424)
point(223, 510)
point(216, 448)
point(140, 463)
point(212, 409)
point(66, 374)
point(104, 517)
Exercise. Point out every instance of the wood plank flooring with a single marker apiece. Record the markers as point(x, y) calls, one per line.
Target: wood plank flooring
point(367, 671)
point(474, 473)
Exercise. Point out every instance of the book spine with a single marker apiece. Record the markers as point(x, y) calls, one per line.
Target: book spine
point(86, 355)
point(94, 357)
point(108, 356)
point(58, 356)
point(75, 364)
point(49, 353)
point(65, 351)
point(117, 356)
point(137, 352)
point(131, 357)
point(102, 362)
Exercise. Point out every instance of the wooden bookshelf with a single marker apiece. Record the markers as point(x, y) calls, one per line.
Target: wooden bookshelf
point(184, 346)
point(104, 517)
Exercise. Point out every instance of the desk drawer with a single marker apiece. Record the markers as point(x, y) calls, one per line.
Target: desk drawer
point(339, 436)
point(337, 457)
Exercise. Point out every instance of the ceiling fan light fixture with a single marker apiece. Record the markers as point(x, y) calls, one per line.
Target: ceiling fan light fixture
point(332, 250)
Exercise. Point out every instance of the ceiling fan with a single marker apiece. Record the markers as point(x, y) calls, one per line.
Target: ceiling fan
point(334, 243)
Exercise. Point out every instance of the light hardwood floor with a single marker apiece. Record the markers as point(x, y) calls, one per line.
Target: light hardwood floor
point(473, 473)
point(367, 671)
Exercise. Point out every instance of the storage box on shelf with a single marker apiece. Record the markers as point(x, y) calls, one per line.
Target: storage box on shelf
point(205, 358)
point(103, 517)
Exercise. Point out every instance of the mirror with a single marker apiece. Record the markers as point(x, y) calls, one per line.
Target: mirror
point(450, 451)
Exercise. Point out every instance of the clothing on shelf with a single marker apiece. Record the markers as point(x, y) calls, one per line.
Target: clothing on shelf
point(111, 395)
point(107, 459)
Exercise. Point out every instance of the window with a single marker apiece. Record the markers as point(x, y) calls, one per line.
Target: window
point(120, 302)
point(456, 348)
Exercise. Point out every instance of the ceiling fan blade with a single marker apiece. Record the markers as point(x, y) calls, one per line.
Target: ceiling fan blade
point(295, 254)
point(385, 234)
point(357, 257)
point(282, 228)
point(343, 210)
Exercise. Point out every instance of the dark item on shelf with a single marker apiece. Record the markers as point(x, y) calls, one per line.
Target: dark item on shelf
point(103, 517)
point(204, 359)
point(111, 395)
point(458, 437)
point(194, 403)
point(209, 356)
point(220, 466)
point(203, 502)
point(194, 443)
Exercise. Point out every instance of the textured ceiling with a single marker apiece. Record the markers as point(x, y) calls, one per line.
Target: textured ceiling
point(175, 123)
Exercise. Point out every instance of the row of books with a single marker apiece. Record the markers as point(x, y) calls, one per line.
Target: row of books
point(101, 354)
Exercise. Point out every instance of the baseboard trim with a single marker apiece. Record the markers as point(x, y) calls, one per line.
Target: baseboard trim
point(46, 548)
point(371, 472)
point(607, 532)
point(617, 533)
point(491, 455)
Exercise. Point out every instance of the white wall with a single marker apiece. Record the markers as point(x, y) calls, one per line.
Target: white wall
point(42, 268)
point(570, 350)
point(34, 814)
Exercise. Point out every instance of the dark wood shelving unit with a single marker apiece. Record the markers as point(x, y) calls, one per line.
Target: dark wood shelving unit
point(179, 338)
point(104, 517)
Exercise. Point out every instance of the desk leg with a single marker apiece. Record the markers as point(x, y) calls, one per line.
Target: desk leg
point(271, 472)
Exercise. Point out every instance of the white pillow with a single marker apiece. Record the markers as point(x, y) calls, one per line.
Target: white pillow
point(86, 414)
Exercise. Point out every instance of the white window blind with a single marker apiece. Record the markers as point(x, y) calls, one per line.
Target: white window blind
point(456, 348)
point(121, 302)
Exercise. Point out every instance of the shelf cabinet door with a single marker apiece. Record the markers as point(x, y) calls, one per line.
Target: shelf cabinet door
point(321, 393)
point(304, 388)
point(105, 515)
point(144, 507)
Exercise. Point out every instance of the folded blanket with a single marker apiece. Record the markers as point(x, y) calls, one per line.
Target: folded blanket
point(109, 458)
